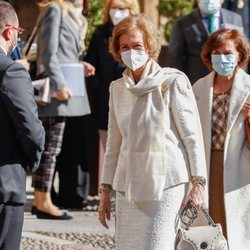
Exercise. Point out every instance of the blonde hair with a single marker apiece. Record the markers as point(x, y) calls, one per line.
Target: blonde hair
point(132, 5)
point(65, 5)
point(151, 35)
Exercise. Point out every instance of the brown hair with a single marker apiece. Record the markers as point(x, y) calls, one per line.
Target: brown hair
point(150, 34)
point(219, 38)
point(131, 5)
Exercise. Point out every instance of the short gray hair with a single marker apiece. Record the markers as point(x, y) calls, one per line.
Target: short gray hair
point(7, 14)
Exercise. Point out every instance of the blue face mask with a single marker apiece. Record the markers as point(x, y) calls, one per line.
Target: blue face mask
point(209, 7)
point(13, 47)
point(224, 65)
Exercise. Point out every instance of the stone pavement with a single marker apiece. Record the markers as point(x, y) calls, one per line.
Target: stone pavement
point(83, 232)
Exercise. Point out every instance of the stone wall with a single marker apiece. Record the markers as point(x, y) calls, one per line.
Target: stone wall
point(27, 11)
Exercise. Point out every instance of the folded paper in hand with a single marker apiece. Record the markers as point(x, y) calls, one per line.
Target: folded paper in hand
point(74, 77)
point(42, 90)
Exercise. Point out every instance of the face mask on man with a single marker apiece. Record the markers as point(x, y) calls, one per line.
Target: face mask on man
point(117, 15)
point(224, 65)
point(134, 59)
point(209, 7)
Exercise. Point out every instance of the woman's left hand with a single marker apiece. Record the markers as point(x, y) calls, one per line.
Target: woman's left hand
point(89, 69)
point(195, 195)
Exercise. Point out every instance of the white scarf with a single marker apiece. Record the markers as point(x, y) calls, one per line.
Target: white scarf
point(146, 166)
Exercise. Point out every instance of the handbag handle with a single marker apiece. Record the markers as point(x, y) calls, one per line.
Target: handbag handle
point(33, 35)
point(191, 212)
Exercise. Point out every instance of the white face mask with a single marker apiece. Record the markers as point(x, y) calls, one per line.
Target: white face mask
point(209, 7)
point(117, 15)
point(134, 59)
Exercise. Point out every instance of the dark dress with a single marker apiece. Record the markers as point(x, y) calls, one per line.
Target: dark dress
point(107, 70)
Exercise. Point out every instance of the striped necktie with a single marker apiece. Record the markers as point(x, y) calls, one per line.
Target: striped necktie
point(211, 27)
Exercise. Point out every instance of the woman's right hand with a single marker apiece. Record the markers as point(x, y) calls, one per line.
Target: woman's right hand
point(104, 209)
point(63, 94)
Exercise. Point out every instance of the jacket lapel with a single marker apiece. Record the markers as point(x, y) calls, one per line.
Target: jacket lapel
point(204, 102)
point(69, 23)
point(200, 24)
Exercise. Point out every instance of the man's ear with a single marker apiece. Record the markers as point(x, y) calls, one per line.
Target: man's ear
point(6, 34)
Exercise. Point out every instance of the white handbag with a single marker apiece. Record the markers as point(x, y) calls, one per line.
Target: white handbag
point(208, 237)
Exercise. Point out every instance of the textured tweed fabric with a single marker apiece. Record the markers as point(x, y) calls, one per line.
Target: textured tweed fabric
point(148, 225)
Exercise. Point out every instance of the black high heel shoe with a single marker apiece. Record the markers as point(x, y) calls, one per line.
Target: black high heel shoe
point(43, 215)
point(33, 210)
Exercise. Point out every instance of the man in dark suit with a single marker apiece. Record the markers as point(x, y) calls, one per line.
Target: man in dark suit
point(191, 31)
point(242, 7)
point(21, 132)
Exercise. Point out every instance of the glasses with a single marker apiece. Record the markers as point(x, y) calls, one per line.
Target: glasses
point(18, 29)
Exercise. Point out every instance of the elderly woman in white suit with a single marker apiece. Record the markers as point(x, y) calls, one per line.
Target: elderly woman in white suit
point(224, 105)
point(154, 147)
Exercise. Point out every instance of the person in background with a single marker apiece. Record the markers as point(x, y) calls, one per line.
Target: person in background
point(191, 31)
point(242, 7)
point(59, 19)
point(73, 162)
point(21, 132)
point(107, 69)
point(154, 146)
point(223, 99)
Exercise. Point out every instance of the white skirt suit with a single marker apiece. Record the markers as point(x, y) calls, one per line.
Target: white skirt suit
point(150, 224)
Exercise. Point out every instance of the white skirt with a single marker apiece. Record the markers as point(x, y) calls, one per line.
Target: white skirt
point(148, 225)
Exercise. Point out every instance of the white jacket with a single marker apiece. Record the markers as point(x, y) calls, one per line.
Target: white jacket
point(236, 155)
point(183, 137)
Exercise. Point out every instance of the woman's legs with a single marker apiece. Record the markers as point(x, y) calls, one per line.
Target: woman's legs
point(43, 177)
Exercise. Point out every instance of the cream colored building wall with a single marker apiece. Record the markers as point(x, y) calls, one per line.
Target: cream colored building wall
point(149, 7)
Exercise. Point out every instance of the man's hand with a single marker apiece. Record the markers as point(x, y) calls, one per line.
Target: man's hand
point(24, 62)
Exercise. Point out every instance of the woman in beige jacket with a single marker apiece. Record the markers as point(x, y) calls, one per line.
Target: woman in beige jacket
point(154, 147)
point(224, 106)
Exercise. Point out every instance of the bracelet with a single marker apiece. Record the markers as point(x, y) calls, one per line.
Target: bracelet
point(199, 180)
point(105, 188)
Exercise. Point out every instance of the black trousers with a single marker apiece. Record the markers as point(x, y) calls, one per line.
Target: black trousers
point(11, 224)
point(72, 165)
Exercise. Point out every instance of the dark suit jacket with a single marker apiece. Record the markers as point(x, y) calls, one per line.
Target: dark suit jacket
point(22, 135)
point(189, 35)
